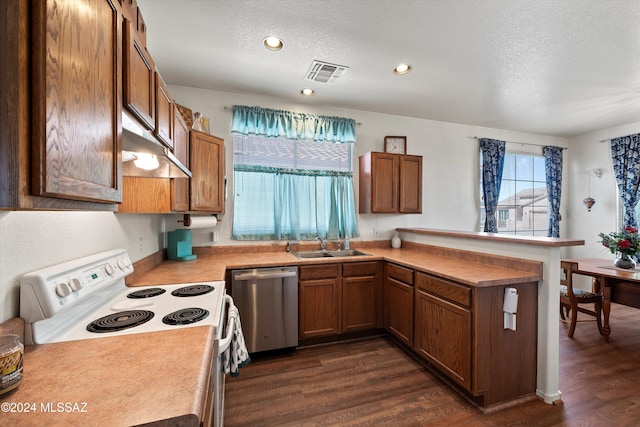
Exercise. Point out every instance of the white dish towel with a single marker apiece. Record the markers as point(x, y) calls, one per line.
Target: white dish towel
point(236, 356)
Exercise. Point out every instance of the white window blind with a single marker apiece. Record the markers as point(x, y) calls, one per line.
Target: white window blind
point(252, 150)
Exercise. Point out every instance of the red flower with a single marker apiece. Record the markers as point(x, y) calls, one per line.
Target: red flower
point(624, 244)
point(631, 229)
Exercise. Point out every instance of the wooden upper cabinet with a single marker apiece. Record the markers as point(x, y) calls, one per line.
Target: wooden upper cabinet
point(139, 78)
point(180, 186)
point(130, 9)
point(390, 183)
point(207, 187)
point(164, 113)
point(410, 184)
point(76, 103)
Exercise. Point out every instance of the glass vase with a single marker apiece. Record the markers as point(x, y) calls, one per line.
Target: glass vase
point(625, 261)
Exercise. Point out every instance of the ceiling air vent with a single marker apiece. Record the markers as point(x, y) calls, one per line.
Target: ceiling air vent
point(324, 72)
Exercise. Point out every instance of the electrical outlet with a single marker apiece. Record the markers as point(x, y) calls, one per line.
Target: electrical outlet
point(140, 244)
point(214, 236)
point(378, 232)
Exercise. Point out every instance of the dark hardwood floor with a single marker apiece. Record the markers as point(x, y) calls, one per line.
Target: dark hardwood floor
point(374, 382)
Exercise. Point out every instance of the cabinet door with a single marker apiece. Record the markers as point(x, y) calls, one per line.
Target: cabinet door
point(398, 314)
point(180, 186)
point(207, 169)
point(76, 104)
point(139, 71)
point(164, 113)
point(443, 336)
point(318, 304)
point(410, 184)
point(359, 303)
point(384, 183)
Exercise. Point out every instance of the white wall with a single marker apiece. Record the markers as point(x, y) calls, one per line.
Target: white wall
point(450, 160)
point(588, 153)
point(30, 240)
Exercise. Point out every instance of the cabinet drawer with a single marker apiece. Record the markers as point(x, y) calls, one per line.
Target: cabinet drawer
point(318, 271)
point(360, 268)
point(450, 291)
point(402, 274)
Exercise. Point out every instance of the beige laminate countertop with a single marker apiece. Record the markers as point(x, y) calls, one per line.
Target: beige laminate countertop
point(147, 378)
point(469, 271)
point(118, 381)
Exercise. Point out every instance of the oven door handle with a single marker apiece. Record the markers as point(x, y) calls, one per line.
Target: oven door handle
point(225, 342)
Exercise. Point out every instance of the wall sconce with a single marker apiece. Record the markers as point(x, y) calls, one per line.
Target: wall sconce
point(590, 201)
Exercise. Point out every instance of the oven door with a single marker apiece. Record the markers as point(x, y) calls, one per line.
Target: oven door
point(224, 335)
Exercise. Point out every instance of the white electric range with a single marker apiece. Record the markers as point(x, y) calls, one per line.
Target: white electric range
point(87, 298)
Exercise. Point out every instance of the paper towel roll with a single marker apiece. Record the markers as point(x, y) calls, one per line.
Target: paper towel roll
point(203, 222)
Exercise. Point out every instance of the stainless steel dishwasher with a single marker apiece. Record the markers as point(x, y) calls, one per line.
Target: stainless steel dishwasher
point(267, 299)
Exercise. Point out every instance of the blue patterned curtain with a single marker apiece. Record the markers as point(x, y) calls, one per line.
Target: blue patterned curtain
point(553, 170)
point(493, 152)
point(287, 124)
point(625, 155)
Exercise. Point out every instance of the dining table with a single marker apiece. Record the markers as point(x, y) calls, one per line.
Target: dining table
point(617, 285)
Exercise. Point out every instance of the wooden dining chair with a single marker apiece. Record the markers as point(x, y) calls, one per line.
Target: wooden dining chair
point(574, 300)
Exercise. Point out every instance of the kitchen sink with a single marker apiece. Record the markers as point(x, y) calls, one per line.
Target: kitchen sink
point(332, 254)
point(313, 254)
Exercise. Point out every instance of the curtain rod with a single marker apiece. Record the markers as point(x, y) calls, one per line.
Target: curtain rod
point(228, 108)
point(523, 143)
point(609, 139)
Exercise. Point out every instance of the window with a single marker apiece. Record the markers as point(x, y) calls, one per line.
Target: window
point(522, 206)
point(292, 189)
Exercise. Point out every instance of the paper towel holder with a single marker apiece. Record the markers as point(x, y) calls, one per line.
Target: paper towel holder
point(186, 219)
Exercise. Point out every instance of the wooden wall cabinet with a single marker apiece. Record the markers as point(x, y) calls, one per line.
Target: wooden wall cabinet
point(398, 306)
point(164, 113)
point(339, 298)
point(139, 78)
point(49, 85)
point(180, 186)
point(207, 186)
point(390, 183)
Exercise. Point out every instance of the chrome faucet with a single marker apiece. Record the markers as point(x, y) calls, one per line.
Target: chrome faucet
point(323, 243)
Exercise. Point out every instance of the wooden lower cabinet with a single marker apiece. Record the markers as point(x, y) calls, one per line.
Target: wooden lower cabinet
point(339, 298)
point(398, 307)
point(442, 335)
point(318, 300)
point(360, 296)
point(460, 330)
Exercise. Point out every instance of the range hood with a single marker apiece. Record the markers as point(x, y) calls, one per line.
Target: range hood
point(139, 145)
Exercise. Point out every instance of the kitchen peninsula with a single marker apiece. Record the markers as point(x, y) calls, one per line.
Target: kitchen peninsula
point(470, 349)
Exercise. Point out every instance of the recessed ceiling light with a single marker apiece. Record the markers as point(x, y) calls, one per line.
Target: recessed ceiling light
point(307, 92)
point(273, 43)
point(402, 69)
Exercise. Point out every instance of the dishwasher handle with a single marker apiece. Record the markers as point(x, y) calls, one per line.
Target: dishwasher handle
point(269, 275)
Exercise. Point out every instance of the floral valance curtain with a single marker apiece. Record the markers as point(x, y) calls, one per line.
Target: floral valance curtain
point(625, 156)
point(292, 125)
point(553, 169)
point(493, 152)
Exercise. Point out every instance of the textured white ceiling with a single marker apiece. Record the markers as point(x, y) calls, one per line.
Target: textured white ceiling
point(552, 67)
